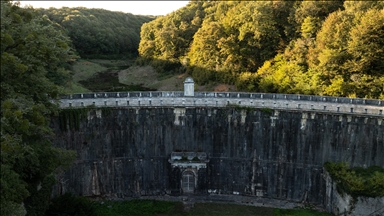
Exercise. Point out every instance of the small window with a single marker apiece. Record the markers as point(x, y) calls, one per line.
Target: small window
point(188, 182)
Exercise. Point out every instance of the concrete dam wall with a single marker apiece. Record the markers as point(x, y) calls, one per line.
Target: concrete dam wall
point(257, 152)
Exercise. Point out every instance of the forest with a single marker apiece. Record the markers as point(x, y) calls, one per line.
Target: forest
point(38, 50)
point(330, 48)
point(99, 33)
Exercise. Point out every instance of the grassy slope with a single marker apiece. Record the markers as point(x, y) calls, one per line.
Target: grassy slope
point(119, 75)
point(147, 77)
point(83, 70)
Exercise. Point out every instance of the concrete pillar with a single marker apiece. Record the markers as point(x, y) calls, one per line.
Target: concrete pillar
point(189, 87)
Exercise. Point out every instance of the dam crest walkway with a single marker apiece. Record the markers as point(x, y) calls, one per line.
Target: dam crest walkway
point(224, 99)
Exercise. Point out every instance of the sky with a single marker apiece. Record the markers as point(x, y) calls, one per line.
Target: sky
point(133, 7)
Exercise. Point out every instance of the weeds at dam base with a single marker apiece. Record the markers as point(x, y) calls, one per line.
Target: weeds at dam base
point(69, 204)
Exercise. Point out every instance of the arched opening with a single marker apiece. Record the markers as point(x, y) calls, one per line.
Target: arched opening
point(188, 182)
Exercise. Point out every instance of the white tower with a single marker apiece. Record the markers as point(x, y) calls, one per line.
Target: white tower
point(189, 87)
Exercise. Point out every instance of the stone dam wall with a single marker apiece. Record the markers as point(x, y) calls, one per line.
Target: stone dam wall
point(169, 149)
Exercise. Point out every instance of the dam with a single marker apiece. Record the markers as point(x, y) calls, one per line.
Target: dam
point(251, 146)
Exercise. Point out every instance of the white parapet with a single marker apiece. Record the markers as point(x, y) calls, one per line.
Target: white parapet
point(215, 99)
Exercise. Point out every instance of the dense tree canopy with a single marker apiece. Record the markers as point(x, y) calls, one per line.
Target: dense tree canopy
point(33, 51)
point(99, 32)
point(307, 47)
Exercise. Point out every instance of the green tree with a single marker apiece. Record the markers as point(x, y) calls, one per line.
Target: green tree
point(282, 76)
point(328, 55)
point(366, 47)
point(314, 9)
point(204, 53)
point(32, 52)
point(348, 53)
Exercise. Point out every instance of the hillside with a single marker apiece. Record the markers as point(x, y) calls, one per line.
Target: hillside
point(99, 33)
point(330, 48)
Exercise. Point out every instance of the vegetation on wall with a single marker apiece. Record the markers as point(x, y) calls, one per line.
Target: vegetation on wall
point(330, 48)
point(357, 181)
point(70, 118)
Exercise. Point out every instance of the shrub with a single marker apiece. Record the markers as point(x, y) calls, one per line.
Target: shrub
point(357, 181)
